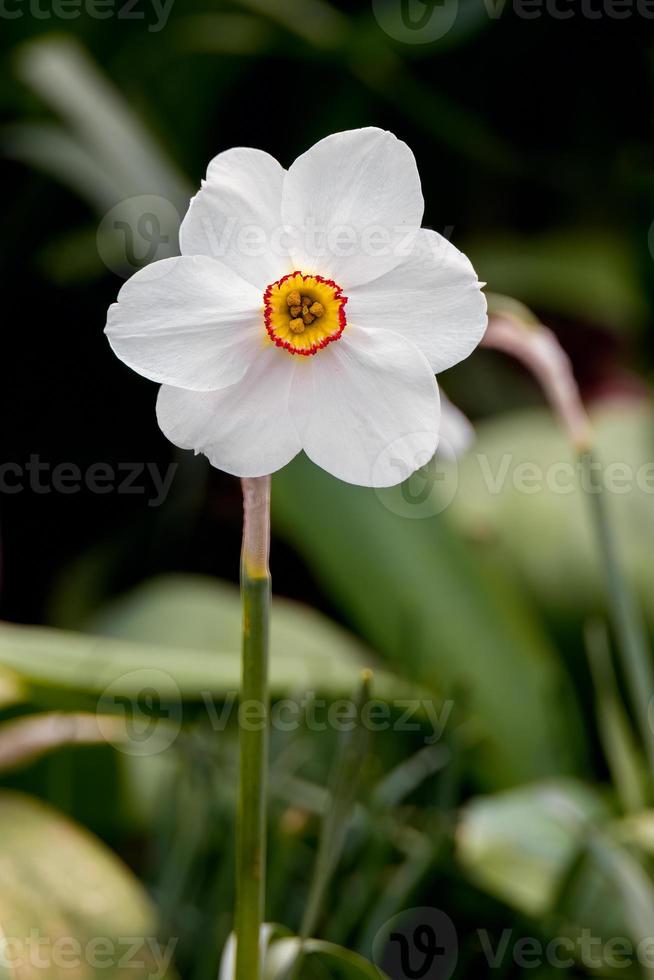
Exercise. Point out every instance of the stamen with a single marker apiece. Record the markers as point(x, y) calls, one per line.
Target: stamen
point(304, 313)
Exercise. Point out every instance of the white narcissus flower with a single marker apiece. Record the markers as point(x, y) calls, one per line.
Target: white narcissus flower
point(308, 310)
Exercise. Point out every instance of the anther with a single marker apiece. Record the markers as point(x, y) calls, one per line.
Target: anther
point(303, 313)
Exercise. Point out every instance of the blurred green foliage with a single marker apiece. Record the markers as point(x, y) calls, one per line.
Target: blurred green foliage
point(531, 811)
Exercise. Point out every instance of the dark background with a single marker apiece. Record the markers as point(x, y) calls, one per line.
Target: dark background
point(522, 128)
point(533, 138)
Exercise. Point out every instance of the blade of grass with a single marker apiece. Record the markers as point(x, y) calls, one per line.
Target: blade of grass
point(61, 72)
point(627, 623)
point(618, 740)
point(49, 148)
point(344, 784)
point(409, 774)
point(400, 884)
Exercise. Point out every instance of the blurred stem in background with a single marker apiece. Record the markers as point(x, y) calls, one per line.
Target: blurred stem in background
point(623, 758)
point(253, 729)
point(516, 331)
point(627, 622)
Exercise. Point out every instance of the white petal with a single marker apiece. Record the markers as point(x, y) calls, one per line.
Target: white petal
point(188, 321)
point(367, 408)
point(354, 202)
point(433, 298)
point(236, 216)
point(457, 432)
point(245, 430)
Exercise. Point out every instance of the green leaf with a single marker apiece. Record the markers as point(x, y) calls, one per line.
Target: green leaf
point(62, 887)
point(545, 533)
point(351, 966)
point(48, 147)
point(552, 851)
point(514, 846)
point(439, 615)
point(630, 888)
point(185, 633)
point(111, 138)
point(587, 276)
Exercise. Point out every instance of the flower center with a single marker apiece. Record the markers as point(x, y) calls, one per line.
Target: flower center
point(304, 313)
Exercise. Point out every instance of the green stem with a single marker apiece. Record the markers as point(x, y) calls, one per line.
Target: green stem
point(627, 624)
point(253, 722)
point(516, 331)
point(623, 756)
